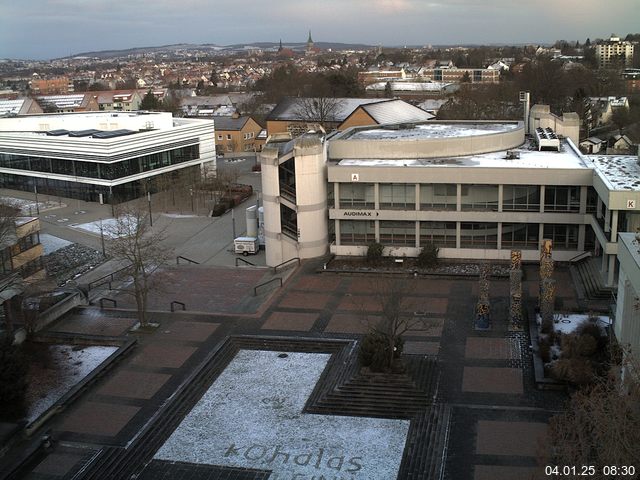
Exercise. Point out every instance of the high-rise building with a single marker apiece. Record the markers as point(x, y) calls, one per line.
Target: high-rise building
point(614, 52)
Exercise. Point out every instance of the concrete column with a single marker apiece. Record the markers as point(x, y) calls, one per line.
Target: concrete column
point(599, 208)
point(417, 196)
point(377, 230)
point(612, 270)
point(603, 267)
point(500, 235)
point(607, 220)
point(581, 237)
point(337, 231)
point(459, 197)
point(500, 202)
point(583, 200)
point(376, 196)
point(458, 233)
point(336, 195)
point(540, 234)
point(542, 190)
point(614, 226)
point(417, 234)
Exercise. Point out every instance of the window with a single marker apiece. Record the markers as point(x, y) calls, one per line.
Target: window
point(520, 235)
point(441, 234)
point(438, 196)
point(562, 199)
point(397, 196)
point(480, 197)
point(289, 222)
point(357, 232)
point(357, 195)
point(520, 198)
point(478, 235)
point(398, 233)
point(228, 136)
point(219, 137)
point(564, 237)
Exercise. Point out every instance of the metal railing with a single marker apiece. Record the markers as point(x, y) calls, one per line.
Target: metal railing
point(102, 300)
point(238, 259)
point(580, 256)
point(255, 289)
point(187, 259)
point(174, 303)
point(295, 259)
point(107, 278)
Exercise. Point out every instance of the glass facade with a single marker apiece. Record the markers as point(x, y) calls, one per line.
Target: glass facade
point(480, 197)
point(438, 196)
point(520, 235)
point(441, 234)
point(565, 237)
point(521, 198)
point(398, 233)
point(561, 199)
point(357, 195)
point(354, 232)
point(397, 196)
point(101, 170)
point(478, 235)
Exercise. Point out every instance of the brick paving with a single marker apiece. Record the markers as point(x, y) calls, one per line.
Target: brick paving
point(58, 464)
point(299, 322)
point(486, 372)
point(509, 438)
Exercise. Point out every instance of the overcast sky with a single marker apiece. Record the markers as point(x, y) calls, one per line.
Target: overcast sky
point(41, 29)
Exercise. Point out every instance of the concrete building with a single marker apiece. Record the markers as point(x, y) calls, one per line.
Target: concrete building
point(118, 100)
point(476, 190)
point(614, 53)
point(22, 251)
point(458, 75)
point(236, 134)
point(51, 86)
point(100, 156)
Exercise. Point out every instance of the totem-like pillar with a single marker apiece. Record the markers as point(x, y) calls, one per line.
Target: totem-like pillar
point(547, 303)
point(516, 259)
point(482, 308)
point(515, 296)
point(546, 265)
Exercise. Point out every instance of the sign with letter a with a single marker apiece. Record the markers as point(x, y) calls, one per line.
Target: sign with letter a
point(355, 177)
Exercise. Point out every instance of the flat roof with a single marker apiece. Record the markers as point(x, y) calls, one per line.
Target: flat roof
point(529, 157)
point(431, 131)
point(619, 172)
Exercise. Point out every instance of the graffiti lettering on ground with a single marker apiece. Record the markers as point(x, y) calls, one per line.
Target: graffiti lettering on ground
point(251, 417)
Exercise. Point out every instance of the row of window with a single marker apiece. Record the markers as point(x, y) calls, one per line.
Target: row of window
point(472, 234)
point(103, 171)
point(400, 196)
point(246, 136)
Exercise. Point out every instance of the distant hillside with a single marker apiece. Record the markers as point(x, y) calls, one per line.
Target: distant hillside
point(214, 47)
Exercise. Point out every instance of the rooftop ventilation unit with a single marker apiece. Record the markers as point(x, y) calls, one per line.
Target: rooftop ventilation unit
point(512, 155)
point(547, 139)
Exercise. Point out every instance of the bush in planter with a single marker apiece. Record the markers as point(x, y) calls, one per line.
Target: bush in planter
point(428, 256)
point(375, 352)
point(374, 253)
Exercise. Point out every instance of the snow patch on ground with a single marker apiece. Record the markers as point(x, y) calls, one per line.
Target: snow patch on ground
point(178, 215)
point(569, 323)
point(52, 244)
point(59, 369)
point(28, 207)
point(107, 226)
point(252, 417)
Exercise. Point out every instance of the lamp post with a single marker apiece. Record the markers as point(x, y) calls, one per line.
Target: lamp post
point(104, 252)
point(191, 194)
point(149, 203)
point(35, 190)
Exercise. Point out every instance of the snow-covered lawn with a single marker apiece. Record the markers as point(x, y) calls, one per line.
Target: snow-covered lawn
point(52, 244)
point(252, 417)
point(107, 225)
point(58, 371)
point(568, 323)
point(28, 207)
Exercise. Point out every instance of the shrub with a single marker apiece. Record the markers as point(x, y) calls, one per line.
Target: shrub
point(428, 256)
point(374, 253)
point(13, 380)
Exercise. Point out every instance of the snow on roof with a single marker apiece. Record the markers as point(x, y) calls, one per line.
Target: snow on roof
point(290, 108)
point(435, 130)
point(529, 155)
point(11, 107)
point(619, 172)
point(394, 111)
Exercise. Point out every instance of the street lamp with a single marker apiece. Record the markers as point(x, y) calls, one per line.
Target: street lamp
point(104, 253)
point(35, 190)
point(149, 203)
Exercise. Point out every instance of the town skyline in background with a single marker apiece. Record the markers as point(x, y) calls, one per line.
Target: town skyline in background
point(40, 30)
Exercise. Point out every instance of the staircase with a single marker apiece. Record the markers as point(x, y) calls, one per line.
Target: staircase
point(588, 276)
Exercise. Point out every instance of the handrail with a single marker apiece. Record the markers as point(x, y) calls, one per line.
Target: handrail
point(255, 289)
point(175, 302)
point(296, 259)
point(110, 276)
point(115, 304)
point(185, 258)
point(238, 259)
point(580, 256)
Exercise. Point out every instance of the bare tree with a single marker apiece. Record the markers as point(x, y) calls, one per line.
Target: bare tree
point(134, 241)
point(320, 110)
point(600, 427)
point(10, 282)
point(397, 304)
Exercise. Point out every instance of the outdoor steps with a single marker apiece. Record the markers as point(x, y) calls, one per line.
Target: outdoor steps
point(425, 450)
point(591, 279)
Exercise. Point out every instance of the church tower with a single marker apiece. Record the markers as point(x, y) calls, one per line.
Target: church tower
point(309, 50)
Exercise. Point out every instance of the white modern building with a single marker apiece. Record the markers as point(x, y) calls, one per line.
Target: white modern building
point(476, 190)
point(102, 156)
point(614, 52)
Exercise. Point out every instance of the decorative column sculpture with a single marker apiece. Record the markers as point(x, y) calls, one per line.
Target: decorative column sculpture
point(547, 302)
point(515, 291)
point(546, 265)
point(482, 308)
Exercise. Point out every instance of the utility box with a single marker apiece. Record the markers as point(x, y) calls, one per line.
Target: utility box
point(246, 245)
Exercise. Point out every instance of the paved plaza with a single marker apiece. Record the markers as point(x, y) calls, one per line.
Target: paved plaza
point(498, 417)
